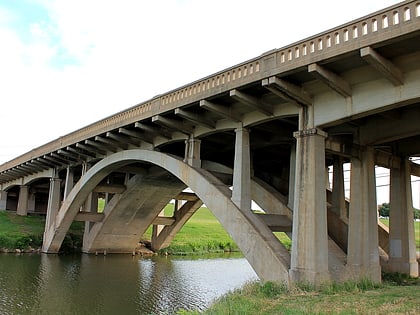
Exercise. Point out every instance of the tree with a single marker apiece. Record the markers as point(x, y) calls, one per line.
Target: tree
point(384, 209)
point(416, 213)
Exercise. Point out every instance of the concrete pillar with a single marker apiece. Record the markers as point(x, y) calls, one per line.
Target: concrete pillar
point(31, 202)
point(54, 201)
point(156, 228)
point(292, 174)
point(241, 194)
point(3, 199)
point(402, 245)
point(192, 152)
point(309, 256)
point(362, 252)
point(338, 198)
point(22, 206)
point(91, 205)
point(69, 183)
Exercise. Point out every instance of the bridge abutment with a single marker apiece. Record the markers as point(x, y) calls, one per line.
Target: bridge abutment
point(309, 256)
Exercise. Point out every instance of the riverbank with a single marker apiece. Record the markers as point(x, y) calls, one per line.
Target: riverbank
point(202, 234)
point(396, 295)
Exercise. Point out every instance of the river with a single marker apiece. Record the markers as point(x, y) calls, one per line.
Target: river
point(116, 284)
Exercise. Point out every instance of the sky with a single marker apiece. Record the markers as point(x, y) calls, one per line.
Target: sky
point(65, 64)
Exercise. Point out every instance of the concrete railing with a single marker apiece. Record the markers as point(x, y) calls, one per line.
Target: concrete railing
point(394, 21)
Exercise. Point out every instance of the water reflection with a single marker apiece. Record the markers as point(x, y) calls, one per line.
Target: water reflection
point(120, 284)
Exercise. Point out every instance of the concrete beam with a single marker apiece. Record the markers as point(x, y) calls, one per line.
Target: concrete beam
point(287, 91)
point(59, 158)
point(89, 216)
point(195, 118)
point(48, 163)
point(120, 138)
point(136, 134)
point(381, 130)
point(100, 145)
point(41, 165)
point(383, 65)
point(153, 130)
point(220, 110)
point(110, 188)
point(95, 151)
point(276, 222)
point(186, 196)
point(163, 221)
point(415, 169)
point(173, 124)
point(345, 149)
point(331, 79)
point(81, 153)
point(252, 102)
point(116, 145)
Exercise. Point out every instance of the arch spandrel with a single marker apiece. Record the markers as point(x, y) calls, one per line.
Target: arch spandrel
point(262, 249)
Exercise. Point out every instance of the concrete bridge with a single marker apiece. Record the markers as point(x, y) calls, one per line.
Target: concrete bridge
point(266, 131)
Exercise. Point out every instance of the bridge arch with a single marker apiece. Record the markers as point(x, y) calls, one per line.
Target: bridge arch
point(264, 252)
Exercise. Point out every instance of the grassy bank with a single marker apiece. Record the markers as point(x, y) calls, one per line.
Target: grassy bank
point(201, 234)
point(397, 295)
point(25, 233)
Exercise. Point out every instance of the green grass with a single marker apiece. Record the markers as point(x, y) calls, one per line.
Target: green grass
point(20, 232)
point(348, 298)
point(416, 231)
point(23, 232)
point(201, 234)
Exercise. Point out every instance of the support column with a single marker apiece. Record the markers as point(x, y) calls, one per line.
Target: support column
point(69, 181)
point(363, 253)
point(241, 194)
point(292, 174)
point(31, 202)
point(22, 206)
point(402, 245)
point(192, 152)
point(338, 198)
point(309, 257)
point(91, 205)
point(53, 203)
point(3, 199)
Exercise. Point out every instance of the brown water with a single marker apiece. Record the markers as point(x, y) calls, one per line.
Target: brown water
point(116, 284)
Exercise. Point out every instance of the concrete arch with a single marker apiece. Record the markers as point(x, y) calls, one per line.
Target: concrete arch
point(268, 257)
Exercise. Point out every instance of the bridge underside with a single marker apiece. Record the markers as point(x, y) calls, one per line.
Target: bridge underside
point(267, 131)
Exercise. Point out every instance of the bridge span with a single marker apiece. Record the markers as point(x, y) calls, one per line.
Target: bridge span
point(266, 131)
